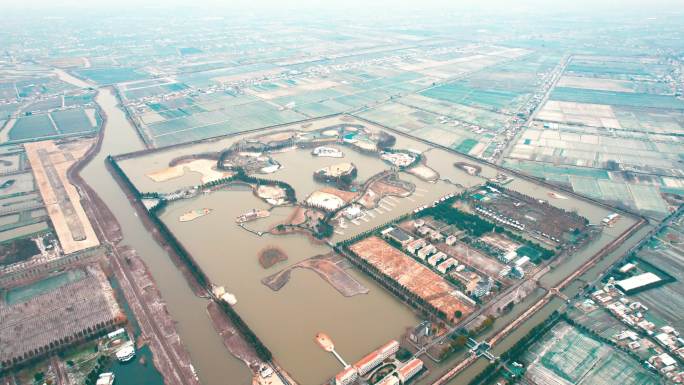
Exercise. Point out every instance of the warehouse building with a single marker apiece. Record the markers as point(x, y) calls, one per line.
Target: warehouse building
point(638, 283)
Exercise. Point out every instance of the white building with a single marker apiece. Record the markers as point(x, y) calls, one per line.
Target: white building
point(521, 261)
point(451, 240)
point(445, 266)
point(416, 245)
point(424, 230)
point(426, 251)
point(627, 267)
point(637, 282)
point(509, 257)
point(105, 379)
point(436, 258)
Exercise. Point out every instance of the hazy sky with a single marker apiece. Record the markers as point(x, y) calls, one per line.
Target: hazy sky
point(389, 5)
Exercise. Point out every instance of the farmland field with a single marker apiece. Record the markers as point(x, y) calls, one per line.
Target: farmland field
point(568, 355)
point(34, 126)
point(72, 121)
point(629, 99)
point(110, 75)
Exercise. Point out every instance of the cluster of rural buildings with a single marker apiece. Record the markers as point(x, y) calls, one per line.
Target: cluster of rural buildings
point(642, 332)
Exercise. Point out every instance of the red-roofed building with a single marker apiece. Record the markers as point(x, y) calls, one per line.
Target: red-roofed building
point(347, 376)
point(373, 359)
point(410, 369)
point(389, 380)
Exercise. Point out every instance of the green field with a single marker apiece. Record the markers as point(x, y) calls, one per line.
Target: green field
point(30, 127)
point(565, 94)
point(154, 90)
point(466, 145)
point(110, 75)
point(72, 121)
point(462, 94)
point(568, 354)
point(216, 123)
point(24, 293)
point(615, 69)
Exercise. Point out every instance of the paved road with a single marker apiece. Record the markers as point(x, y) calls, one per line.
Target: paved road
point(60, 371)
point(564, 63)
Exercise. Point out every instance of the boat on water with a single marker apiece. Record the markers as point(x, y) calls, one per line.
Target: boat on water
point(105, 379)
point(125, 353)
point(194, 214)
point(327, 152)
point(555, 195)
point(610, 219)
point(252, 215)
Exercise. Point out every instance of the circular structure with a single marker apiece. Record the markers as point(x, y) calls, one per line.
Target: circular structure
point(325, 342)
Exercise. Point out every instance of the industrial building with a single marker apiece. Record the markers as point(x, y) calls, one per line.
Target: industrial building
point(447, 265)
point(416, 245)
point(426, 251)
point(637, 283)
point(398, 235)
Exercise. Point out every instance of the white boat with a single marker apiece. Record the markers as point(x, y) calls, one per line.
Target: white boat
point(105, 379)
point(125, 353)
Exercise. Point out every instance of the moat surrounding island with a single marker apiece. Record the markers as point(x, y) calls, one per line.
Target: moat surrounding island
point(391, 185)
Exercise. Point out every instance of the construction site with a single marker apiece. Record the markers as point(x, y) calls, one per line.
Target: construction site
point(415, 277)
point(49, 314)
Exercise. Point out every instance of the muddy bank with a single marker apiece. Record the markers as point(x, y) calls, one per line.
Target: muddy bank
point(330, 267)
point(158, 328)
point(232, 339)
point(109, 225)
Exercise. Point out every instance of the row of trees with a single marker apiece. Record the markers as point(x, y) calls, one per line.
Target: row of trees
point(100, 366)
point(241, 175)
point(493, 370)
point(475, 226)
point(177, 247)
point(261, 350)
point(200, 277)
point(472, 224)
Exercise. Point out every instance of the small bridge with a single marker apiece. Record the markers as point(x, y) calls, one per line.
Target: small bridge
point(481, 349)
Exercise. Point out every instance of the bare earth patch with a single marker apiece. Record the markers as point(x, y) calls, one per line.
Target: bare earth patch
point(331, 267)
point(205, 167)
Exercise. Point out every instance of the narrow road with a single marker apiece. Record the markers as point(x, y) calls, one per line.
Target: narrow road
point(60, 371)
point(547, 94)
point(124, 277)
